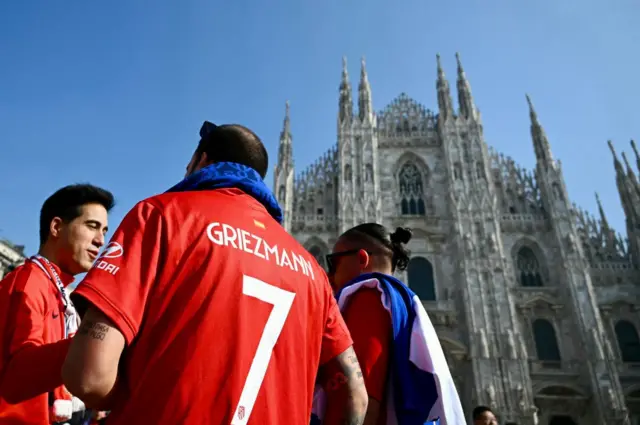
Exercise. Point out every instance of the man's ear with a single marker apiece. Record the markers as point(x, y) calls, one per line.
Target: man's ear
point(204, 160)
point(55, 227)
point(364, 259)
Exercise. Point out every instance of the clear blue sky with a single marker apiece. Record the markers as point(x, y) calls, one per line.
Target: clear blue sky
point(114, 93)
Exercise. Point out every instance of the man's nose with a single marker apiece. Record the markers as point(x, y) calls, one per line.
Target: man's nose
point(98, 240)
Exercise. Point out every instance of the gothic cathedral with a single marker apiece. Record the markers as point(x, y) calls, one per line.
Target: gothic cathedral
point(536, 302)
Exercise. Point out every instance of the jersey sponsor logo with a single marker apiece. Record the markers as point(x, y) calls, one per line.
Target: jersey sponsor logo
point(113, 250)
point(107, 267)
point(226, 235)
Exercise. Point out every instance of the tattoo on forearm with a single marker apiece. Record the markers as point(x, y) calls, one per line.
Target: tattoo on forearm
point(351, 374)
point(93, 329)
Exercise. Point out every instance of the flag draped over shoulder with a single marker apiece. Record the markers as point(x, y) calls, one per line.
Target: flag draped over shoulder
point(421, 388)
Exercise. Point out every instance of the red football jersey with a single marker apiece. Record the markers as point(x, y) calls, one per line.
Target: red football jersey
point(31, 333)
point(226, 317)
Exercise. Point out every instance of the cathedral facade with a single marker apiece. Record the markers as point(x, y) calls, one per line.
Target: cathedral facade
point(11, 256)
point(536, 302)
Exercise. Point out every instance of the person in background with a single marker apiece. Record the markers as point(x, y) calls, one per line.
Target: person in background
point(402, 362)
point(37, 317)
point(224, 316)
point(483, 415)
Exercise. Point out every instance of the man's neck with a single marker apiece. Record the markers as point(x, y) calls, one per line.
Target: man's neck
point(49, 253)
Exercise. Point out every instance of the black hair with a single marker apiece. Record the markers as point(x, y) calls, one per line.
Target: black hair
point(479, 410)
point(378, 234)
point(66, 203)
point(233, 143)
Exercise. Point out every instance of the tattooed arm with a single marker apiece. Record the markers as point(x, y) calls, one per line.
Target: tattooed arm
point(346, 394)
point(90, 370)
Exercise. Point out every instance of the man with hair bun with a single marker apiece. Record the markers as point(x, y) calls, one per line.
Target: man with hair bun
point(405, 372)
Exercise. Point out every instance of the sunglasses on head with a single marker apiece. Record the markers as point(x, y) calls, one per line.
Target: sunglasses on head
point(207, 128)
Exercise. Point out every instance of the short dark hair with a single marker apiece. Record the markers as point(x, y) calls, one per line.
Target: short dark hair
point(233, 143)
point(377, 234)
point(479, 410)
point(67, 202)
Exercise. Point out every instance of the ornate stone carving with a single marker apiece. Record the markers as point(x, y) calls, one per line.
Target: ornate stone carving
point(597, 346)
point(491, 395)
point(492, 243)
point(571, 243)
point(521, 397)
point(468, 244)
point(523, 347)
point(610, 398)
point(511, 344)
point(484, 345)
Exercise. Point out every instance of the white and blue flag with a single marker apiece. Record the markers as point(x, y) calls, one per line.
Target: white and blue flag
point(421, 389)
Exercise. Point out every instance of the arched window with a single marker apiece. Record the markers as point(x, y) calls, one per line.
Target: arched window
point(457, 171)
point(628, 341)
point(544, 336)
point(420, 273)
point(318, 255)
point(368, 173)
point(281, 193)
point(529, 268)
point(411, 190)
point(480, 170)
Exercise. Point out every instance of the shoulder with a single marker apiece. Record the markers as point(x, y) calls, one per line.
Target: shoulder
point(26, 279)
point(367, 297)
point(180, 203)
point(365, 313)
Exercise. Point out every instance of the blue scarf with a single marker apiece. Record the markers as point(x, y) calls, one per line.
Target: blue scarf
point(226, 175)
point(415, 390)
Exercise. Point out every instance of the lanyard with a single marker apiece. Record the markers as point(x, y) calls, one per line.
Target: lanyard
point(50, 271)
point(71, 319)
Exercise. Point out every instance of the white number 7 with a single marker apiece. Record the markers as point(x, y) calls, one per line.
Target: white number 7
point(281, 301)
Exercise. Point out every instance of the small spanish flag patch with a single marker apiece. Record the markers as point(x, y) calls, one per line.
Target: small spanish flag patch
point(259, 224)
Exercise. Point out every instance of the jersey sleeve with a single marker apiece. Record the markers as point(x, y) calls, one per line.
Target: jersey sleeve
point(370, 326)
point(28, 308)
point(20, 380)
point(335, 337)
point(121, 279)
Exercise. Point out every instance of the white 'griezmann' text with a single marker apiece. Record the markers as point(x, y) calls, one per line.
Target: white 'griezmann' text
point(226, 235)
